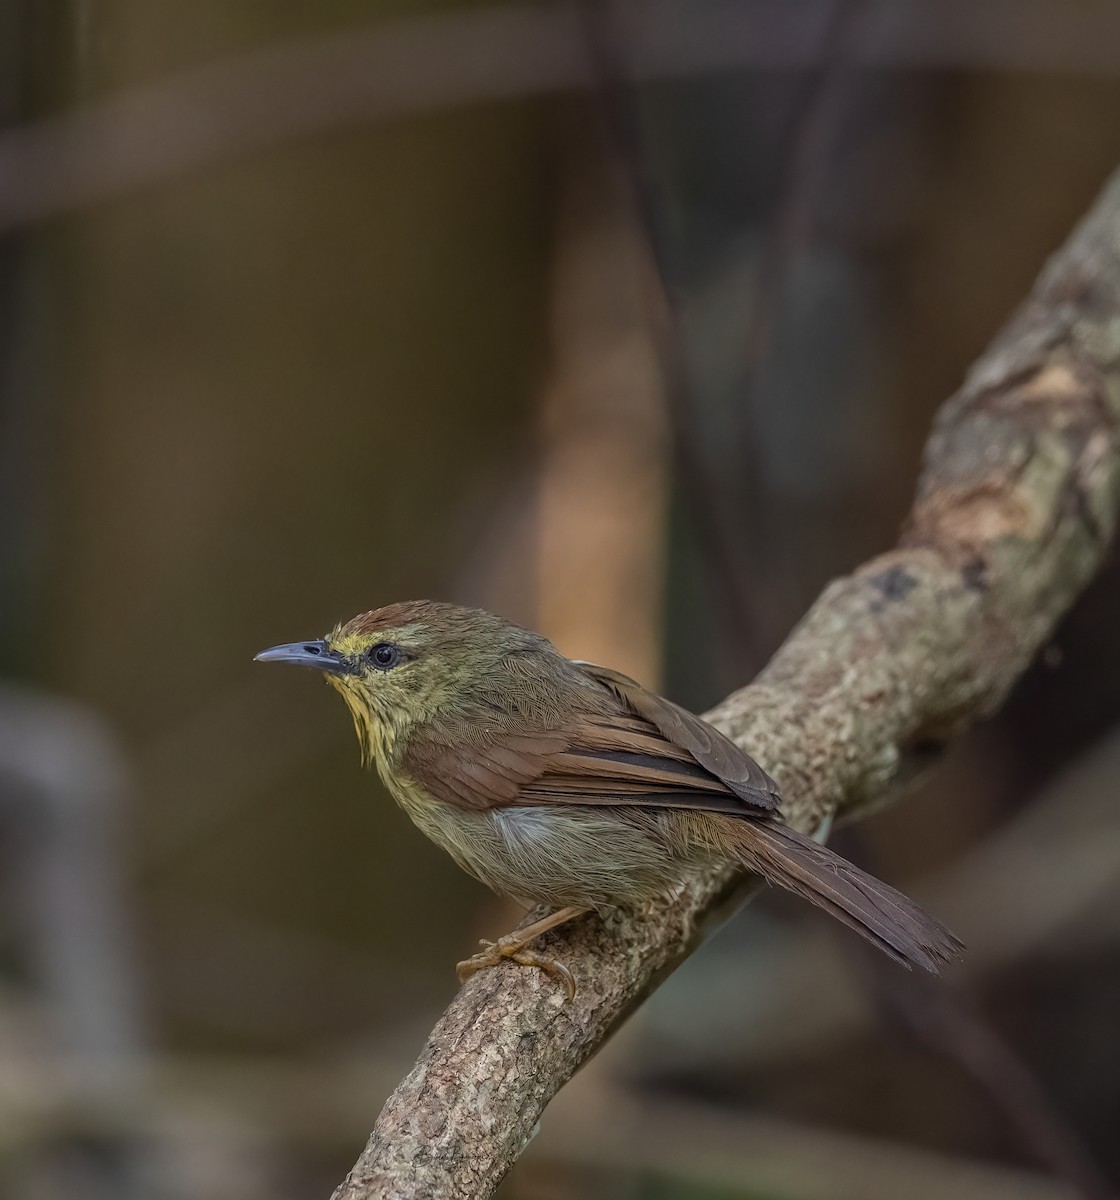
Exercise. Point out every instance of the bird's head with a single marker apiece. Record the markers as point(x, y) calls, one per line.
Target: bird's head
point(409, 663)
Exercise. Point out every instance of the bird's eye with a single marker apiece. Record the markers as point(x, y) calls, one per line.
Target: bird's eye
point(384, 655)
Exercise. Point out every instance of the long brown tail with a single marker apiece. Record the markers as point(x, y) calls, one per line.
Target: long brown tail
point(886, 917)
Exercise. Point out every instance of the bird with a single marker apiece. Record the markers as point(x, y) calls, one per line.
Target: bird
point(566, 784)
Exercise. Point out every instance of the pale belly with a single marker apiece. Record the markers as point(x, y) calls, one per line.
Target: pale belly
point(584, 856)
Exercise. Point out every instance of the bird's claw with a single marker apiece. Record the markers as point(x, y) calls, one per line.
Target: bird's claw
point(513, 949)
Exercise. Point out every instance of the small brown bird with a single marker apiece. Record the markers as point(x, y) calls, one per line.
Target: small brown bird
point(567, 784)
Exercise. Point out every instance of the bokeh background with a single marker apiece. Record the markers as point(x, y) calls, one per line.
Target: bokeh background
point(628, 322)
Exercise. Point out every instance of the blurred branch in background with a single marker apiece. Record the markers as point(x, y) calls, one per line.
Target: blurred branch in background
point(276, 96)
point(603, 484)
point(227, 1124)
point(730, 525)
point(1038, 890)
point(812, 133)
point(725, 556)
point(1014, 510)
point(62, 789)
point(706, 1146)
point(943, 1020)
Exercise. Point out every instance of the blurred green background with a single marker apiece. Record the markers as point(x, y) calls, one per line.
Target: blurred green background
point(641, 353)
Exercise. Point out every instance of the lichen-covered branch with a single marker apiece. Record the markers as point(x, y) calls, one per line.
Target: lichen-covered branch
point(1016, 504)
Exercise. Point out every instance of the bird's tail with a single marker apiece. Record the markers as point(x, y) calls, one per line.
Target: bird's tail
point(886, 917)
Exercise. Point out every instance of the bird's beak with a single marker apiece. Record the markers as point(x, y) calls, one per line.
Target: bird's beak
point(307, 654)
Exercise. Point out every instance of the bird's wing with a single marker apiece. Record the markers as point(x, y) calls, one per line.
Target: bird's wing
point(629, 757)
point(710, 748)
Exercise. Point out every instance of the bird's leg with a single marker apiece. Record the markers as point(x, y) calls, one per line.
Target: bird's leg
point(513, 946)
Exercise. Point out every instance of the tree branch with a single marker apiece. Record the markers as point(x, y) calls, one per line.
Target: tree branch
point(1015, 506)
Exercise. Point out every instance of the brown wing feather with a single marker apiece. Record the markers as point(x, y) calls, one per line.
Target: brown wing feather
point(620, 758)
point(473, 774)
point(705, 743)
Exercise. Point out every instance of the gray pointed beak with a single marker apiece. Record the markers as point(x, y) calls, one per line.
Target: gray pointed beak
point(307, 654)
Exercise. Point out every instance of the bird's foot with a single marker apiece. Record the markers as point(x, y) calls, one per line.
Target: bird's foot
point(513, 947)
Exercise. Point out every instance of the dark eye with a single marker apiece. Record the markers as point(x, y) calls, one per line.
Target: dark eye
point(384, 655)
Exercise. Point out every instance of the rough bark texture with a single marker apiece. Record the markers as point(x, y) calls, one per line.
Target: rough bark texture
point(1015, 507)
